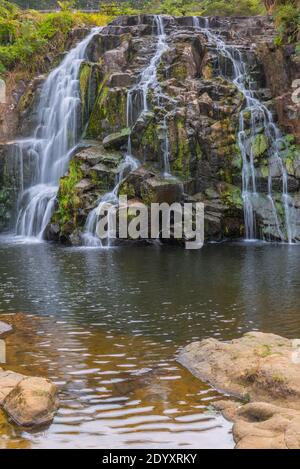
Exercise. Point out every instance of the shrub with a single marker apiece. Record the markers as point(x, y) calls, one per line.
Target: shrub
point(287, 18)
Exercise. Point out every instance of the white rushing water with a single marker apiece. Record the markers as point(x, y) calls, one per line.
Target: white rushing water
point(137, 106)
point(53, 142)
point(260, 117)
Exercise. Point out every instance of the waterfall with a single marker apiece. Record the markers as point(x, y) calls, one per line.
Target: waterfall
point(53, 143)
point(138, 93)
point(260, 117)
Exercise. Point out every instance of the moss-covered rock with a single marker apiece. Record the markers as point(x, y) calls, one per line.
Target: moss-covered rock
point(93, 171)
point(260, 145)
point(116, 140)
point(231, 195)
point(109, 112)
point(68, 200)
point(89, 80)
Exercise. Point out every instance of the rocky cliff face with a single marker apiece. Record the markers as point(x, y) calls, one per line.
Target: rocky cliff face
point(190, 124)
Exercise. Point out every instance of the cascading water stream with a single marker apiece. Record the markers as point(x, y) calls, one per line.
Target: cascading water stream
point(260, 117)
point(53, 143)
point(137, 94)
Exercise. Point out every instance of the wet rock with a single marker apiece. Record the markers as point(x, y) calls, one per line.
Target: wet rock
point(93, 171)
point(257, 366)
point(261, 368)
point(192, 120)
point(31, 402)
point(151, 187)
point(120, 80)
point(5, 328)
point(117, 140)
point(159, 190)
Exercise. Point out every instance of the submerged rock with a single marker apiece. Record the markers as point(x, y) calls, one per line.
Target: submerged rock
point(5, 328)
point(261, 368)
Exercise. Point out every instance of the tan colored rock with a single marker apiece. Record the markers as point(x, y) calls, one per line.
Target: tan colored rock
point(8, 381)
point(259, 367)
point(32, 402)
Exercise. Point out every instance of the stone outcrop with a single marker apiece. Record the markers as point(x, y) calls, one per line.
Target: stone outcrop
point(262, 370)
point(28, 401)
point(260, 425)
point(92, 173)
point(197, 109)
point(192, 116)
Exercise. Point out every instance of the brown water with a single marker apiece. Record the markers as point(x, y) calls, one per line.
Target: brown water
point(106, 327)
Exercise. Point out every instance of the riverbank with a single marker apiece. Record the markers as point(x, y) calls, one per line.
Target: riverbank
point(262, 371)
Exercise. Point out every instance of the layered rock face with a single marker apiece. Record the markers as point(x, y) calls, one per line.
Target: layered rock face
point(187, 125)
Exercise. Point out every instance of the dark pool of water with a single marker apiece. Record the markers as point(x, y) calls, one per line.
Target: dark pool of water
point(106, 326)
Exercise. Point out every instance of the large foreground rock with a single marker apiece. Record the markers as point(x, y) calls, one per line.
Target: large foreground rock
point(32, 402)
point(257, 366)
point(263, 371)
point(28, 401)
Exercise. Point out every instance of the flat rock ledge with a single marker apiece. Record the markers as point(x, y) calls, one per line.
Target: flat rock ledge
point(262, 372)
point(28, 401)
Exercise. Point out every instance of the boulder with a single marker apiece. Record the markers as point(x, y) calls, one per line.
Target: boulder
point(116, 140)
point(31, 402)
point(150, 187)
point(158, 190)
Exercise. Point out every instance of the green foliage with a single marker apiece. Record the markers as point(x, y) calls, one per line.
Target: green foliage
point(170, 7)
point(54, 23)
point(66, 5)
point(68, 200)
point(290, 148)
point(287, 18)
point(232, 7)
point(206, 7)
point(7, 9)
point(26, 35)
point(177, 7)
